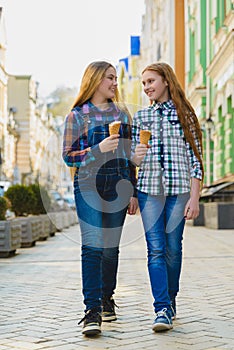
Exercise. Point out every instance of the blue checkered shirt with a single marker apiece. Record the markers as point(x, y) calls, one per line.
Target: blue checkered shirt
point(170, 162)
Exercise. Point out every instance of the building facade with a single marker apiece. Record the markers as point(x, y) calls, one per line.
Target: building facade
point(129, 76)
point(37, 158)
point(3, 96)
point(196, 38)
point(220, 87)
point(162, 39)
point(209, 81)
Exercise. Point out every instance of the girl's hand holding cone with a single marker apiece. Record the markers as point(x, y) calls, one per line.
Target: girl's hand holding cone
point(114, 129)
point(142, 147)
point(111, 142)
point(145, 136)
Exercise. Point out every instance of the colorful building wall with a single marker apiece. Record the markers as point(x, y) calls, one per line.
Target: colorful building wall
point(220, 91)
point(209, 81)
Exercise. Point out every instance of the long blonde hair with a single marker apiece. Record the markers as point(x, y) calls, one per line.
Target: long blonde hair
point(92, 78)
point(185, 111)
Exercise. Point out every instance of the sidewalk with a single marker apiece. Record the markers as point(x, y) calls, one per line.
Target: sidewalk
point(41, 298)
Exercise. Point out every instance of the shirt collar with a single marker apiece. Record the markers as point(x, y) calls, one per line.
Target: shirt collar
point(163, 105)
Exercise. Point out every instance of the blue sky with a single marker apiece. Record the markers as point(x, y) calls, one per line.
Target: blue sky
point(54, 40)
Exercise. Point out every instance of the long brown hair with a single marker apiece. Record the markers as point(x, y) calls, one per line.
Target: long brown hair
point(185, 111)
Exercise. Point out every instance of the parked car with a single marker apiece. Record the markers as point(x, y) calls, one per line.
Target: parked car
point(70, 201)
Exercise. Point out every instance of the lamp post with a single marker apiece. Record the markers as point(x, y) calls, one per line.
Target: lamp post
point(209, 126)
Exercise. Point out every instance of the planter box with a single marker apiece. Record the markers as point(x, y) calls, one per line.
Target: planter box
point(45, 227)
point(66, 219)
point(53, 228)
point(73, 219)
point(200, 220)
point(59, 221)
point(10, 238)
point(36, 226)
point(30, 231)
point(219, 215)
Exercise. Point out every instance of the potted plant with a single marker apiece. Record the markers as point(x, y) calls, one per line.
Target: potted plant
point(10, 231)
point(22, 201)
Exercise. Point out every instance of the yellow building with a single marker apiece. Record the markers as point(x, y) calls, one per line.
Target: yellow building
point(38, 147)
point(22, 99)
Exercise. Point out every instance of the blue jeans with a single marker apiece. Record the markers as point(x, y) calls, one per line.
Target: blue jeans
point(102, 199)
point(163, 220)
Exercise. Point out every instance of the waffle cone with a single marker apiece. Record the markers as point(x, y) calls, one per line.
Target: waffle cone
point(145, 136)
point(114, 127)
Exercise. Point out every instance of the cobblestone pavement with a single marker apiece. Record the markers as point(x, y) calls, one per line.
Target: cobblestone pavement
point(41, 298)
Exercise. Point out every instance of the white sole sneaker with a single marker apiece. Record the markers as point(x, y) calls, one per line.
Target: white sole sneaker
point(159, 327)
point(108, 318)
point(91, 329)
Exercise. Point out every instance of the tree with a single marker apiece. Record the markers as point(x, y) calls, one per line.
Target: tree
point(60, 101)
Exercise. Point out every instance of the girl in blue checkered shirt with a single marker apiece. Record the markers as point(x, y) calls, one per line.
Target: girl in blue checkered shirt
point(169, 181)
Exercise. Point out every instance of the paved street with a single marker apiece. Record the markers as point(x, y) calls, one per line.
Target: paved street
point(41, 298)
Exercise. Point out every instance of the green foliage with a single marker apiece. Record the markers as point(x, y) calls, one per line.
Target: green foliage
point(4, 205)
point(61, 100)
point(22, 199)
point(42, 199)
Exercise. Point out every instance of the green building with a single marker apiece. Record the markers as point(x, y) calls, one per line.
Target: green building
point(210, 82)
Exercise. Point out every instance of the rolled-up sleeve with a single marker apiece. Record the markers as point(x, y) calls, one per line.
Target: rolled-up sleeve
point(194, 164)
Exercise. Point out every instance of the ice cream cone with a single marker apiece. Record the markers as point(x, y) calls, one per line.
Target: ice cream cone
point(114, 127)
point(145, 136)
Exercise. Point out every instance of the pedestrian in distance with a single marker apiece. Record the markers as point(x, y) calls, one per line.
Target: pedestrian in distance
point(169, 181)
point(104, 185)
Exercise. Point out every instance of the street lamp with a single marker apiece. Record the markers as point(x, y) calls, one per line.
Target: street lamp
point(209, 127)
point(209, 123)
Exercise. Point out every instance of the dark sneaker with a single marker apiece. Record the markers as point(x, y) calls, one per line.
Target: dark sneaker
point(162, 321)
point(108, 309)
point(173, 309)
point(92, 322)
